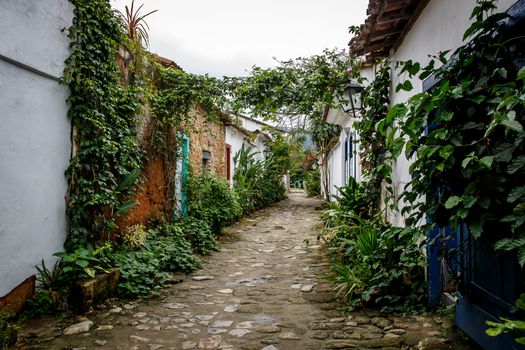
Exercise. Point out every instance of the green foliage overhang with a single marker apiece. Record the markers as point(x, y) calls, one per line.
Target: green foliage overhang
point(466, 136)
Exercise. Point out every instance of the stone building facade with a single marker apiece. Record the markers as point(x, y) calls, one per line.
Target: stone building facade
point(207, 144)
point(156, 196)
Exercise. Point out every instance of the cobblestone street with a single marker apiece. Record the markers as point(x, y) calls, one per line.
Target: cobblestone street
point(261, 291)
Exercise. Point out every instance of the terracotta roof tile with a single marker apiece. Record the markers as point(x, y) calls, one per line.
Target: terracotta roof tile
point(386, 24)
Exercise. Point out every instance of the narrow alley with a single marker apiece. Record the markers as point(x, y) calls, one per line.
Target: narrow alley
point(263, 290)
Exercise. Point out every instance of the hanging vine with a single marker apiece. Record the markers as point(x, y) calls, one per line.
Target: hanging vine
point(106, 161)
point(467, 136)
point(376, 130)
point(173, 97)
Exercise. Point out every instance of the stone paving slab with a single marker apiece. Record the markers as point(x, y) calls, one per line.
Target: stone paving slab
point(261, 291)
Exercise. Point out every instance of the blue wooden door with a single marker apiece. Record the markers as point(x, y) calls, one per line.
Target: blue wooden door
point(185, 171)
point(483, 283)
point(181, 178)
point(491, 282)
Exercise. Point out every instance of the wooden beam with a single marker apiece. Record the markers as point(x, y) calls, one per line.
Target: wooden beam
point(389, 7)
point(388, 19)
point(379, 35)
point(420, 7)
point(381, 45)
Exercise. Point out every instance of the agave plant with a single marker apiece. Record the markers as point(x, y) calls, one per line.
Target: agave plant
point(247, 175)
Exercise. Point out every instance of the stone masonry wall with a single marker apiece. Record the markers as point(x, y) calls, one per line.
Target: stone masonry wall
point(206, 136)
point(153, 197)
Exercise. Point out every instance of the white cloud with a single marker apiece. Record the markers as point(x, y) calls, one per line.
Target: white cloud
point(227, 37)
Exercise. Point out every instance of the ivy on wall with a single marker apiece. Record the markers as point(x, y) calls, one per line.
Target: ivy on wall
point(104, 103)
point(466, 136)
point(176, 94)
point(107, 159)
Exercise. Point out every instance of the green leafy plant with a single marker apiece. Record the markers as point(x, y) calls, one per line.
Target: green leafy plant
point(135, 236)
point(211, 200)
point(247, 177)
point(102, 112)
point(367, 242)
point(258, 183)
point(312, 183)
point(376, 264)
point(43, 302)
point(83, 262)
point(346, 217)
point(516, 328)
point(376, 129)
point(355, 197)
point(176, 255)
point(382, 267)
point(466, 136)
point(349, 280)
point(200, 234)
point(338, 222)
point(139, 272)
point(324, 136)
point(146, 270)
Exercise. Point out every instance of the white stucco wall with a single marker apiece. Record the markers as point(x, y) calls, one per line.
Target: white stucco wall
point(252, 125)
point(235, 139)
point(336, 161)
point(336, 169)
point(439, 27)
point(260, 147)
point(34, 136)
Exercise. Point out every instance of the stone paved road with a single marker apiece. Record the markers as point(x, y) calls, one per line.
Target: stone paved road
point(261, 291)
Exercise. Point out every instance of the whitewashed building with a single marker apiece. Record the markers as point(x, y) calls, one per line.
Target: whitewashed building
point(415, 30)
point(344, 157)
point(35, 141)
point(411, 30)
point(418, 30)
point(248, 132)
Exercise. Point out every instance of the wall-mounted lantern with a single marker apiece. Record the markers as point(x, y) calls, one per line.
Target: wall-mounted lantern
point(352, 98)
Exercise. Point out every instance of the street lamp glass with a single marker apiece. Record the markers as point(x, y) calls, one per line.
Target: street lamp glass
point(352, 98)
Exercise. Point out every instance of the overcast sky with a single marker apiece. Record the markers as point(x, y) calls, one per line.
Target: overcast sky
point(228, 37)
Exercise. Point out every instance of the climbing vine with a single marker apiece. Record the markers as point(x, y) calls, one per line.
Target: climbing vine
point(177, 93)
point(173, 97)
point(378, 146)
point(106, 159)
point(466, 136)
